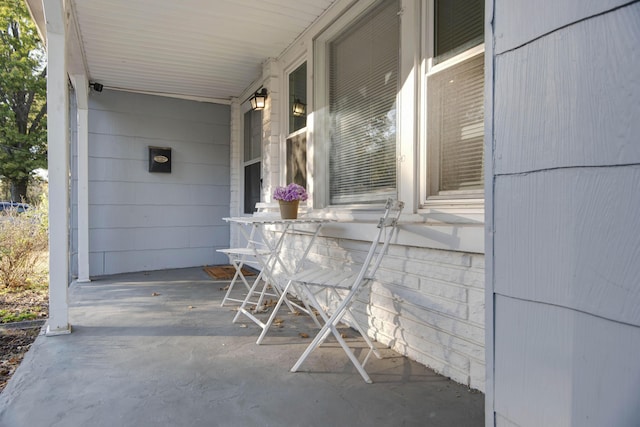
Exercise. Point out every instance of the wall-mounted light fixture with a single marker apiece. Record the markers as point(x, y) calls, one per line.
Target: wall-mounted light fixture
point(96, 86)
point(299, 108)
point(259, 100)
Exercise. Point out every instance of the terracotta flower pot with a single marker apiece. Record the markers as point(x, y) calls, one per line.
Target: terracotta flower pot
point(289, 210)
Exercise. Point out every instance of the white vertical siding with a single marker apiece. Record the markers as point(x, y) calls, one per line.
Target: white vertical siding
point(146, 221)
point(565, 227)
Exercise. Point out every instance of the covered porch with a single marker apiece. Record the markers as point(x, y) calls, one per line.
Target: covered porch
point(126, 78)
point(156, 348)
point(514, 272)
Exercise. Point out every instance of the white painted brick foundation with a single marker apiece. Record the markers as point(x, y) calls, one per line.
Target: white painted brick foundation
point(427, 304)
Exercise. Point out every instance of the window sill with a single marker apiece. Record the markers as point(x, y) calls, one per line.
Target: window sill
point(453, 211)
point(455, 229)
point(451, 237)
point(451, 225)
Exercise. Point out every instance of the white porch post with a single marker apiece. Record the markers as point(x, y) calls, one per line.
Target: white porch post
point(58, 140)
point(81, 85)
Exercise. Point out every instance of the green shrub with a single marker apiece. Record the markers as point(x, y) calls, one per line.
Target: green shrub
point(23, 247)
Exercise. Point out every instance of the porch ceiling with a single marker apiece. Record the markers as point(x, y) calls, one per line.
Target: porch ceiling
point(193, 48)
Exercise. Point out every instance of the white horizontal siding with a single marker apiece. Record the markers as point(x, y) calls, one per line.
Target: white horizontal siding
point(128, 147)
point(572, 121)
point(581, 369)
point(140, 124)
point(519, 21)
point(153, 259)
point(564, 224)
point(589, 216)
point(144, 221)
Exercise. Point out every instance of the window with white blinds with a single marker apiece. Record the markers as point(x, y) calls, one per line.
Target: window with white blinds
point(455, 124)
point(455, 99)
point(363, 85)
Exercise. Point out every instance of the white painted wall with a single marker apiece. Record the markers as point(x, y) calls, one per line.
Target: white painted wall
point(147, 221)
point(566, 225)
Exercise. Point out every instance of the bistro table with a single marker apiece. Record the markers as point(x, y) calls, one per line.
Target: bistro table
point(253, 229)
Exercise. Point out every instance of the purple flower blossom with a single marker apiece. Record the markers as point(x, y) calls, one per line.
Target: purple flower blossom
point(290, 193)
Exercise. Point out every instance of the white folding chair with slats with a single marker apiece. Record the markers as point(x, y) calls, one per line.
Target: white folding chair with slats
point(346, 285)
point(252, 255)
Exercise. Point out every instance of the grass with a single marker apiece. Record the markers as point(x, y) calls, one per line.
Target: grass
point(26, 303)
point(7, 317)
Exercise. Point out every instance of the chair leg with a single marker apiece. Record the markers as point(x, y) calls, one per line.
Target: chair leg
point(331, 327)
point(360, 330)
point(283, 298)
point(372, 348)
point(321, 337)
point(352, 356)
point(272, 317)
point(231, 284)
point(246, 301)
point(238, 264)
point(310, 302)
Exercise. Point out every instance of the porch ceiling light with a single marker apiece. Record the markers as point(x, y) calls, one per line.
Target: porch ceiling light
point(299, 108)
point(259, 100)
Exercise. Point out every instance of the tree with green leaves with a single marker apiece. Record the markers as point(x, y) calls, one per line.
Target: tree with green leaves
point(23, 96)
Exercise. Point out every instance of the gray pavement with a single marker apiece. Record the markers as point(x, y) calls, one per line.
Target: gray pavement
point(156, 349)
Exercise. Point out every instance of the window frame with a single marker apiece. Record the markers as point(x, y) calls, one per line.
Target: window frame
point(291, 67)
point(321, 121)
point(246, 108)
point(430, 197)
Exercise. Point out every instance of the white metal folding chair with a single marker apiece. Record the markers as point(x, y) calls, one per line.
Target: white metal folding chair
point(346, 285)
point(249, 256)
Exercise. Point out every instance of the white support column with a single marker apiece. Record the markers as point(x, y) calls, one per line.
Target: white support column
point(81, 85)
point(58, 140)
point(236, 171)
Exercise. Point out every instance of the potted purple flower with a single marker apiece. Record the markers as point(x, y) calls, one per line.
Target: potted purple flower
point(289, 198)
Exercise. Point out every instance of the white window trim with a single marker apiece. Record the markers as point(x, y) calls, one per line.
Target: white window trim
point(289, 68)
point(245, 107)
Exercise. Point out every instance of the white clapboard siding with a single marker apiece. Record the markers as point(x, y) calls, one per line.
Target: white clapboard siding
point(590, 218)
point(584, 111)
point(558, 367)
point(519, 21)
point(564, 228)
point(148, 221)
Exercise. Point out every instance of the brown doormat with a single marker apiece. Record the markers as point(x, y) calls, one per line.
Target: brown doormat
point(226, 272)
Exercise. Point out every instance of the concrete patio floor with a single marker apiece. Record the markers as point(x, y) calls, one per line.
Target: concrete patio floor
point(156, 349)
